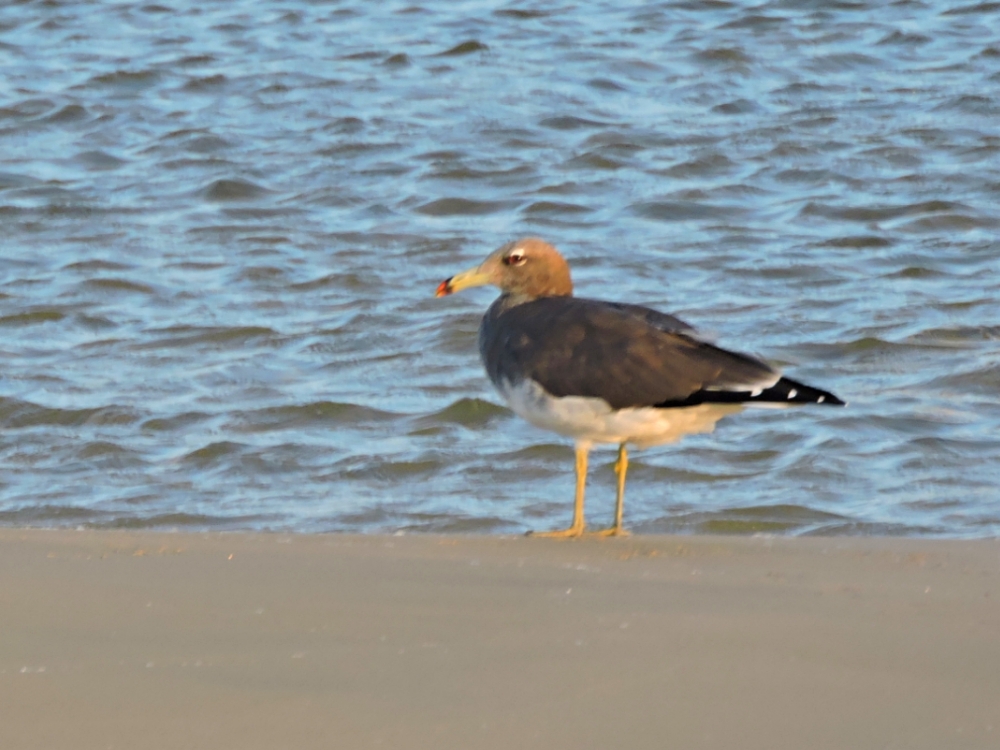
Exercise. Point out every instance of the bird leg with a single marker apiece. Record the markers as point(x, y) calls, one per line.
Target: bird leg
point(621, 466)
point(581, 482)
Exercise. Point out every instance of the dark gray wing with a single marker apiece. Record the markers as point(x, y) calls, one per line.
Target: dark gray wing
point(625, 354)
point(655, 318)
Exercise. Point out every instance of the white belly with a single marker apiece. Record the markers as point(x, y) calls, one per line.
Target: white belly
point(592, 420)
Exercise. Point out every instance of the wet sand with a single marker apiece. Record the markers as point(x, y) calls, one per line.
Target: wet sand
point(125, 639)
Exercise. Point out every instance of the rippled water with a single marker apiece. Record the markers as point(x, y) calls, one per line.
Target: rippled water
point(223, 223)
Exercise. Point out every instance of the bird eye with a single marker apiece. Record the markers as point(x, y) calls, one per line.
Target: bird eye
point(515, 259)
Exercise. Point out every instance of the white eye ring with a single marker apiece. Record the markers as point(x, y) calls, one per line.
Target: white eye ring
point(515, 259)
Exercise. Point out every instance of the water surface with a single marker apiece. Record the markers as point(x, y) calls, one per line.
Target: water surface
point(223, 224)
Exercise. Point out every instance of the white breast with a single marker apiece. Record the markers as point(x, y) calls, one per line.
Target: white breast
point(592, 420)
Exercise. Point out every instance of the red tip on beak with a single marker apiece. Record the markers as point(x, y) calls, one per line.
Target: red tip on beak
point(444, 288)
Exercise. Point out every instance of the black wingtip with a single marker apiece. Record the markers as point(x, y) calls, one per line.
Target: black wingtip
point(790, 391)
point(785, 391)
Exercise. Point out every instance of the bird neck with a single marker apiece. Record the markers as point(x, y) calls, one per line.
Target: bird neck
point(508, 300)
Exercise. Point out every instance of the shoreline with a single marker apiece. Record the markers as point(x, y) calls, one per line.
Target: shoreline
point(264, 640)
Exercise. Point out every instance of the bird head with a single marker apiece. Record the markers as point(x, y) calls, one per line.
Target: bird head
point(528, 268)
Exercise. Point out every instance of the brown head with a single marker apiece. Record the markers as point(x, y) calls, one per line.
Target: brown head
point(526, 269)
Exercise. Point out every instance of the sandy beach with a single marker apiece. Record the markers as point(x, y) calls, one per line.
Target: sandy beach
point(125, 639)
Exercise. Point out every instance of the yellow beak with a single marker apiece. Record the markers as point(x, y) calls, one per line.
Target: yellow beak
point(463, 280)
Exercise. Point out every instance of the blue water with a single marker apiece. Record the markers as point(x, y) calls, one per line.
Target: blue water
point(223, 224)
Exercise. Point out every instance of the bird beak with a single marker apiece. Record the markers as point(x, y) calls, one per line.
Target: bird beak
point(458, 282)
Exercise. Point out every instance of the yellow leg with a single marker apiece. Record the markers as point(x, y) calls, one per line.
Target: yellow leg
point(581, 482)
point(621, 467)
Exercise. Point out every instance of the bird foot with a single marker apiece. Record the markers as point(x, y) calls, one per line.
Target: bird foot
point(573, 532)
point(613, 531)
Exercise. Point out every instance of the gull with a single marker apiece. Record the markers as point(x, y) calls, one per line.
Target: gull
point(607, 372)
